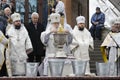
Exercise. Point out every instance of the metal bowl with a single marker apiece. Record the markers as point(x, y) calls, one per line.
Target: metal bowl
point(60, 39)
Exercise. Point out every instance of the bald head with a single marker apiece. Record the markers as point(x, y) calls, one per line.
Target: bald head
point(35, 17)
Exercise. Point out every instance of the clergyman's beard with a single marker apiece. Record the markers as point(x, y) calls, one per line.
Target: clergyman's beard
point(17, 26)
point(81, 29)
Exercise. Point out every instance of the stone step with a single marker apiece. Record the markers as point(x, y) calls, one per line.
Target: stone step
point(97, 44)
point(95, 56)
point(94, 62)
point(93, 70)
point(97, 48)
point(93, 65)
point(96, 52)
point(96, 59)
point(100, 41)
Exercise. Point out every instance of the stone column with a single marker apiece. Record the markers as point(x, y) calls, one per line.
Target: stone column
point(40, 9)
point(68, 10)
point(75, 8)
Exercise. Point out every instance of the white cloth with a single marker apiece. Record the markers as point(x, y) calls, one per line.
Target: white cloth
point(109, 42)
point(82, 41)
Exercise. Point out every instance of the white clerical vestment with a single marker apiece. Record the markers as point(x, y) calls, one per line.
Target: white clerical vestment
point(47, 39)
point(19, 45)
point(110, 42)
point(82, 41)
point(3, 45)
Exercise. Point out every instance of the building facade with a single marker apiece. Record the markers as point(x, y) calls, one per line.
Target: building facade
point(73, 9)
point(76, 8)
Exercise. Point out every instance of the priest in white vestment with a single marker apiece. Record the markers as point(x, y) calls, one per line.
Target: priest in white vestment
point(20, 45)
point(112, 43)
point(82, 42)
point(47, 39)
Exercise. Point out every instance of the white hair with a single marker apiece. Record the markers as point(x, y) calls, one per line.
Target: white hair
point(7, 9)
point(34, 13)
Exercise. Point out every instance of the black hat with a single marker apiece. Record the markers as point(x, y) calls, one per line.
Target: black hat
point(61, 13)
point(97, 8)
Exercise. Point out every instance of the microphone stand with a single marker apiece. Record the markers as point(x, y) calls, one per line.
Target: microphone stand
point(117, 54)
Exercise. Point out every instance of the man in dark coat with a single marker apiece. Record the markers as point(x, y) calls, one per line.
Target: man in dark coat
point(3, 22)
point(97, 20)
point(34, 29)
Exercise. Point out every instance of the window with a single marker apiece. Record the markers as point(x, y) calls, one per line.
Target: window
point(20, 8)
point(32, 7)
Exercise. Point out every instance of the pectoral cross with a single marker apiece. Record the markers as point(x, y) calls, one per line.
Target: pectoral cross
point(18, 38)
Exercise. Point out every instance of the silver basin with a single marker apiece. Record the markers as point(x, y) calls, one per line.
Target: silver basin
point(31, 69)
point(56, 67)
point(106, 69)
point(79, 67)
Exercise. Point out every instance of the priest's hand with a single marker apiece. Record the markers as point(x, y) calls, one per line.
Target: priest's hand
point(53, 31)
point(96, 23)
point(66, 31)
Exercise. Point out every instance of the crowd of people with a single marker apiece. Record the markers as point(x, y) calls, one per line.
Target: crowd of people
point(20, 44)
